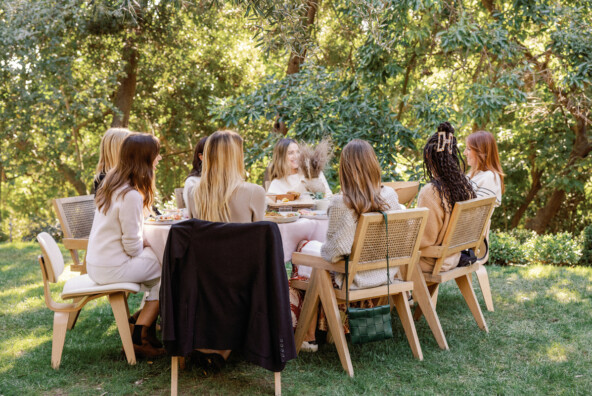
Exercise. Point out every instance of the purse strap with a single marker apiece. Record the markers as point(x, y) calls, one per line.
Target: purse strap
point(388, 274)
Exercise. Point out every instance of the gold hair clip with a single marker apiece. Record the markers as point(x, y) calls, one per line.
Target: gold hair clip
point(445, 142)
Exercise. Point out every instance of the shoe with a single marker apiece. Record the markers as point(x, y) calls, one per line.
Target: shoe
point(151, 336)
point(145, 349)
point(211, 363)
point(308, 346)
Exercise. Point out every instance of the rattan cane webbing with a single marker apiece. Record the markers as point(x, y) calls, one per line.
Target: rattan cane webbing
point(79, 216)
point(469, 225)
point(402, 238)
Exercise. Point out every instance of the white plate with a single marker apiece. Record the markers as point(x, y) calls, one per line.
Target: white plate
point(283, 218)
point(162, 222)
point(314, 214)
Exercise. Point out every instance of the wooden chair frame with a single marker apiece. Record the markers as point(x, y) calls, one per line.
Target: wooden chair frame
point(66, 314)
point(320, 287)
point(75, 215)
point(462, 220)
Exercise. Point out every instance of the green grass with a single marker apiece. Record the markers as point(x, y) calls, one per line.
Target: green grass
point(540, 342)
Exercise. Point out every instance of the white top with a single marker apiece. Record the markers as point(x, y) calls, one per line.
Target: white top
point(115, 237)
point(295, 183)
point(190, 182)
point(486, 184)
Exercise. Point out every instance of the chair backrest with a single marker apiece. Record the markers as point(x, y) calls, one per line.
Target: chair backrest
point(53, 261)
point(179, 198)
point(467, 227)
point(76, 215)
point(405, 229)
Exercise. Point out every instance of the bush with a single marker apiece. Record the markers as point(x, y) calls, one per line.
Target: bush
point(586, 258)
point(522, 247)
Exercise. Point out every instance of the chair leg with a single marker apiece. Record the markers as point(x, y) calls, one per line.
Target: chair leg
point(466, 288)
point(277, 377)
point(121, 313)
point(483, 279)
point(433, 290)
point(309, 309)
point(60, 325)
point(402, 306)
point(424, 303)
point(334, 319)
point(73, 316)
point(174, 375)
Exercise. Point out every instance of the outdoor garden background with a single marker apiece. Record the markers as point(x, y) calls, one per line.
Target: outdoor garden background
point(387, 71)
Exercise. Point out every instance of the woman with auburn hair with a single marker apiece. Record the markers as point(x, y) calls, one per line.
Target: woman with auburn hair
point(361, 192)
point(195, 175)
point(117, 251)
point(284, 170)
point(486, 172)
point(446, 186)
point(109, 153)
point(222, 195)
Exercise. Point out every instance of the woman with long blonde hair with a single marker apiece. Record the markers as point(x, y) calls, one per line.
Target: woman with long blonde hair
point(222, 194)
point(117, 251)
point(361, 192)
point(109, 153)
point(284, 170)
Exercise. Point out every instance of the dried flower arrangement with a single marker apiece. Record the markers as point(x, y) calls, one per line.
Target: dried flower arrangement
point(313, 160)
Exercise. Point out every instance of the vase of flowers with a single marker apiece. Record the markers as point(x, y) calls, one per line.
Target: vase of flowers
point(313, 160)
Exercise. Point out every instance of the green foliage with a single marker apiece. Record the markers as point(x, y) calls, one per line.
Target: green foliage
point(505, 248)
point(586, 258)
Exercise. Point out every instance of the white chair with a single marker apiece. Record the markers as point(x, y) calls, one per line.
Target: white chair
point(82, 290)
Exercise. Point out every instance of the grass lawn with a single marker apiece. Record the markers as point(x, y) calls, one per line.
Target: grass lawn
point(540, 342)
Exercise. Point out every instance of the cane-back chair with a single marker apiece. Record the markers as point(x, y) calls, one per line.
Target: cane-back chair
point(81, 289)
point(405, 229)
point(76, 215)
point(466, 229)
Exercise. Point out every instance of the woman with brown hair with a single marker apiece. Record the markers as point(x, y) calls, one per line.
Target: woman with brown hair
point(117, 251)
point(222, 194)
point(447, 185)
point(195, 175)
point(486, 172)
point(361, 192)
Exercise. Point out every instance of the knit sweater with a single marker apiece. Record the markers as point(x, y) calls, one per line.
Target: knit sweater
point(435, 229)
point(295, 183)
point(116, 236)
point(486, 184)
point(343, 222)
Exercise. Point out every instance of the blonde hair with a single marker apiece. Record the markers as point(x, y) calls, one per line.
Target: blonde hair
point(109, 150)
point(360, 177)
point(134, 168)
point(280, 166)
point(223, 170)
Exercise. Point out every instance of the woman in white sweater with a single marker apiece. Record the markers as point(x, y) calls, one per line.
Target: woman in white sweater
point(117, 251)
point(361, 192)
point(195, 175)
point(284, 173)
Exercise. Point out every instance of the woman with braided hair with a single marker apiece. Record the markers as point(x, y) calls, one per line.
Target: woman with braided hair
point(447, 185)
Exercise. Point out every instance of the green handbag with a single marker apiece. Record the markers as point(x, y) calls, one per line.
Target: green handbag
point(370, 324)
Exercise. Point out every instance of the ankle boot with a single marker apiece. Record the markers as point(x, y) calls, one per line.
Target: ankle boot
point(151, 336)
point(144, 349)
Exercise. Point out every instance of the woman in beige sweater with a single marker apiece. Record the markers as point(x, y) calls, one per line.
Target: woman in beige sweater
point(447, 185)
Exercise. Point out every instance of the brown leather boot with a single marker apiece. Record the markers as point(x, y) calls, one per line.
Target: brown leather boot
point(145, 349)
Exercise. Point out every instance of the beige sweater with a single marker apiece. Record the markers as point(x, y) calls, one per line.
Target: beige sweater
point(435, 229)
point(247, 204)
point(343, 222)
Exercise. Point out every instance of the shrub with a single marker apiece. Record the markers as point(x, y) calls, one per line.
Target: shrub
point(586, 258)
point(558, 249)
point(505, 248)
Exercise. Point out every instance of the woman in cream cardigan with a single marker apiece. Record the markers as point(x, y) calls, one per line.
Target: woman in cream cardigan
point(284, 170)
point(446, 186)
point(486, 172)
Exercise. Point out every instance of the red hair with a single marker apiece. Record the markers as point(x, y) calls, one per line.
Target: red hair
point(483, 144)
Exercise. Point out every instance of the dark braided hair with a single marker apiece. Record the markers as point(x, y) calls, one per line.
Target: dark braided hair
point(441, 166)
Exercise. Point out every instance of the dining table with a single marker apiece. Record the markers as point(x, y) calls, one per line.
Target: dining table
point(292, 233)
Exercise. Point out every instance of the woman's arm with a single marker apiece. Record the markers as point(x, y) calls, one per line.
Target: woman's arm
point(341, 231)
point(428, 199)
point(258, 203)
point(131, 219)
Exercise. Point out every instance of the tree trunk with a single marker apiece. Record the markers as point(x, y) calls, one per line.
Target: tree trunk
point(124, 97)
point(580, 150)
point(71, 176)
point(534, 189)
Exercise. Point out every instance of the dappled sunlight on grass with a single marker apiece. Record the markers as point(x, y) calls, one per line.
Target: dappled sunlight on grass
point(538, 272)
point(20, 344)
point(557, 353)
point(521, 296)
point(563, 295)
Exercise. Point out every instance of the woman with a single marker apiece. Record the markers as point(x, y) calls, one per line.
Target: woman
point(361, 192)
point(109, 153)
point(195, 175)
point(117, 252)
point(222, 194)
point(284, 172)
point(486, 172)
point(446, 186)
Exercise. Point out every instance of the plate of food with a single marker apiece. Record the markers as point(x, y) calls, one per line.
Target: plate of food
point(167, 218)
point(281, 217)
point(313, 214)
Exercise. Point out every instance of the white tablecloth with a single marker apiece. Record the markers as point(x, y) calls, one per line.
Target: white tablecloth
point(292, 233)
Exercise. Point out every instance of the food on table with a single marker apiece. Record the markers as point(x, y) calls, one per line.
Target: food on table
point(285, 200)
point(296, 194)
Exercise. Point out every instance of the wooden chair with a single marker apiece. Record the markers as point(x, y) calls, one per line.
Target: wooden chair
point(405, 230)
point(82, 289)
point(483, 278)
point(467, 229)
point(406, 190)
point(76, 216)
point(179, 198)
